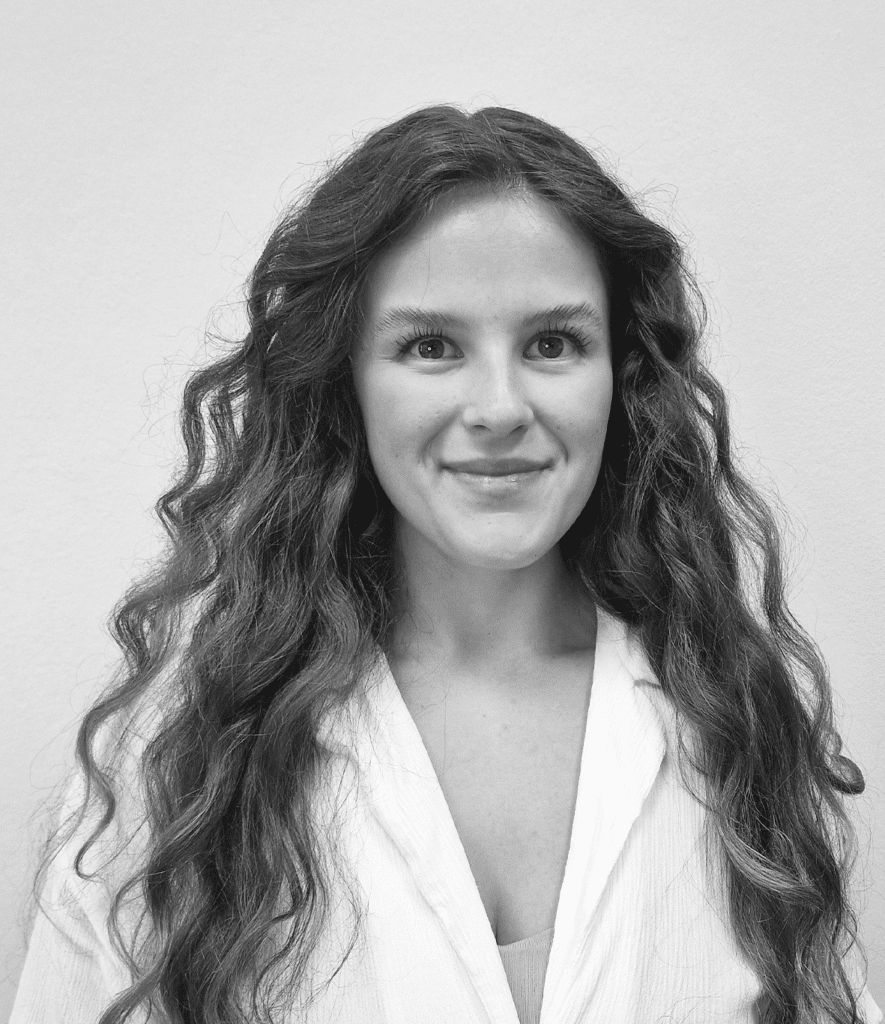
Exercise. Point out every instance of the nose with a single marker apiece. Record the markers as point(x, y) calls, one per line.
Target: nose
point(496, 399)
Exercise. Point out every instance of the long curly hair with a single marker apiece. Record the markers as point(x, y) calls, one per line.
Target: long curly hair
point(277, 589)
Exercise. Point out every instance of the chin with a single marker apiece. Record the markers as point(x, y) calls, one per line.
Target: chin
point(502, 556)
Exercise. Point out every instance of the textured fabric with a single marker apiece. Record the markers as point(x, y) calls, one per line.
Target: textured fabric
point(525, 963)
point(641, 931)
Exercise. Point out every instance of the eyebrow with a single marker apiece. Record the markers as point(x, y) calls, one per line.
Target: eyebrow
point(412, 317)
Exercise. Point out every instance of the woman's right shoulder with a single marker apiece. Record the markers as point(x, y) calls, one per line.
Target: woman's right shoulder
point(101, 818)
point(74, 969)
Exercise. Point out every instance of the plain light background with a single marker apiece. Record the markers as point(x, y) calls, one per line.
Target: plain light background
point(148, 148)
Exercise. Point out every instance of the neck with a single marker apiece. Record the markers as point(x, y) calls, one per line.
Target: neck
point(488, 622)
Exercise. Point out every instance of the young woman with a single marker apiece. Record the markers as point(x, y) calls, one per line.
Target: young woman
point(467, 691)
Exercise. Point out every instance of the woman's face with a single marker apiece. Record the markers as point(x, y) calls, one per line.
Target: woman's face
point(484, 378)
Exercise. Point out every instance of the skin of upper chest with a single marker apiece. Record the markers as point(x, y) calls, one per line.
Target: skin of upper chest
point(508, 759)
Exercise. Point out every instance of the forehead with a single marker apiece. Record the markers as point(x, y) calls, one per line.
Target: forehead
point(495, 254)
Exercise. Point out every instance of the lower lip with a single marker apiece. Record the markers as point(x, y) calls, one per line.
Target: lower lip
point(512, 483)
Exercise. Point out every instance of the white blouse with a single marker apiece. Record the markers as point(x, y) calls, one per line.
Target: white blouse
point(640, 933)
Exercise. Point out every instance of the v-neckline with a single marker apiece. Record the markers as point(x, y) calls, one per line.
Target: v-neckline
point(528, 940)
point(622, 749)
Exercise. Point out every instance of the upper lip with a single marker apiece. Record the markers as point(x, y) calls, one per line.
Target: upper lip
point(496, 467)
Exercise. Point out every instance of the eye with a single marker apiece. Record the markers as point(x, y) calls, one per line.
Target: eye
point(553, 345)
point(428, 348)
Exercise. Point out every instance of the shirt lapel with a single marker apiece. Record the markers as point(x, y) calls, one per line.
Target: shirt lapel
point(408, 801)
point(624, 746)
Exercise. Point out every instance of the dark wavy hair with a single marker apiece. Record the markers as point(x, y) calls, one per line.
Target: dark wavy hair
point(277, 591)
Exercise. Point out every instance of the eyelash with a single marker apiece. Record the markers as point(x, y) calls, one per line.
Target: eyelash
point(577, 338)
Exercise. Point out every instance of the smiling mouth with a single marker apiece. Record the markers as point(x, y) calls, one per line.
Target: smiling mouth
point(508, 475)
point(497, 467)
point(497, 482)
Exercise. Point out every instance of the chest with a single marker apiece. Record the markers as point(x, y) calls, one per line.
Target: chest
point(508, 765)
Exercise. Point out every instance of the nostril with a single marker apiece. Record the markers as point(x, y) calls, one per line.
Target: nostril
point(501, 414)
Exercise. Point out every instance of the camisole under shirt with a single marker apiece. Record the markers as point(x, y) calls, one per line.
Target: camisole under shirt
point(525, 964)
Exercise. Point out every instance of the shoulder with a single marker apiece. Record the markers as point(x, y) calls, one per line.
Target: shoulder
point(101, 835)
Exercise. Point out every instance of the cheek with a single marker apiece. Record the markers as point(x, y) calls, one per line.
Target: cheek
point(585, 420)
point(401, 424)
